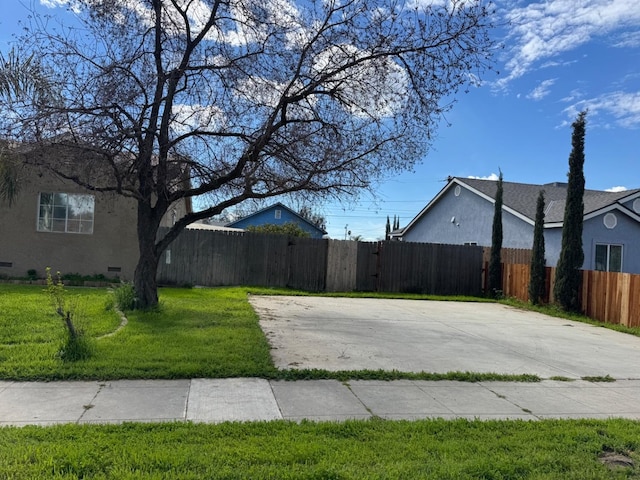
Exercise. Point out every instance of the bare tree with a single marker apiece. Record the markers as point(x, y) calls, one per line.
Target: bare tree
point(308, 213)
point(238, 99)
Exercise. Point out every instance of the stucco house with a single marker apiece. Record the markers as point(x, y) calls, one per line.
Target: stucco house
point(55, 223)
point(462, 213)
point(277, 214)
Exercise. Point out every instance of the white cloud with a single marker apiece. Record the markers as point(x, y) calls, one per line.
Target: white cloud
point(370, 88)
point(542, 30)
point(628, 40)
point(449, 4)
point(187, 118)
point(616, 189)
point(541, 90)
point(574, 95)
point(493, 177)
point(54, 3)
point(623, 107)
point(247, 28)
point(555, 63)
point(73, 4)
point(268, 93)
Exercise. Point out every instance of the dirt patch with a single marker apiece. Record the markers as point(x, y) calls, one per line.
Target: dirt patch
point(615, 460)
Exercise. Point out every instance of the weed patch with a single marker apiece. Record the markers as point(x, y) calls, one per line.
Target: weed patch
point(389, 375)
point(76, 345)
point(604, 379)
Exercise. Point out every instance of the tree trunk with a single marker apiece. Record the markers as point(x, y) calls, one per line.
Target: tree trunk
point(144, 278)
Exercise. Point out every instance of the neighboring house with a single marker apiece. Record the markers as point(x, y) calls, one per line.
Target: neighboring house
point(55, 223)
point(462, 213)
point(277, 214)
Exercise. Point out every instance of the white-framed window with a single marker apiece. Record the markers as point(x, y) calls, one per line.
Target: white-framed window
point(65, 212)
point(278, 214)
point(608, 257)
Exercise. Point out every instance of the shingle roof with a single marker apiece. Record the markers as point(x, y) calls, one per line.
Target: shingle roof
point(277, 205)
point(522, 197)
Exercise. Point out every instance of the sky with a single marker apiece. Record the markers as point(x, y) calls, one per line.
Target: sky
point(556, 59)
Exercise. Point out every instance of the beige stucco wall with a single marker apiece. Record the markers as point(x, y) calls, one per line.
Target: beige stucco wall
point(112, 245)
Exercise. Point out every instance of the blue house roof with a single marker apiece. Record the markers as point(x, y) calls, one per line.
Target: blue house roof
point(277, 214)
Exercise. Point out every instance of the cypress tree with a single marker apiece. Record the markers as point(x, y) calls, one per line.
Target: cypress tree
point(568, 277)
point(495, 267)
point(537, 275)
point(387, 229)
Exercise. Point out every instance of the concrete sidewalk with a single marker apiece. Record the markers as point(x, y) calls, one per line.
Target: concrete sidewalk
point(253, 399)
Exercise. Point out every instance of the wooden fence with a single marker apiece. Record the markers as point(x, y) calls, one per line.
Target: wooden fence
point(605, 296)
point(429, 268)
point(611, 297)
point(201, 257)
point(509, 255)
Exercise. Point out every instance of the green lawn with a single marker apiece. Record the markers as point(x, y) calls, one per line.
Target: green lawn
point(195, 333)
point(377, 449)
point(208, 332)
point(215, 333)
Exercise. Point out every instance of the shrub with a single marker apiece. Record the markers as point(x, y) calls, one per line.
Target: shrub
point(126, 296)
point(290, 228)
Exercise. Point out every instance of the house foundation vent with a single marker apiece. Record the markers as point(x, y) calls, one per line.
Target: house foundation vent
point(6, 264)
point(114, 269)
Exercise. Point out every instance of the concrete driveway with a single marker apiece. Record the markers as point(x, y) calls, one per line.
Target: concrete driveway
point(414, 335)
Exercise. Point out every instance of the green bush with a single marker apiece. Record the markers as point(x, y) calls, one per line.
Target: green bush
point(125, 296)
point(290, 228)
